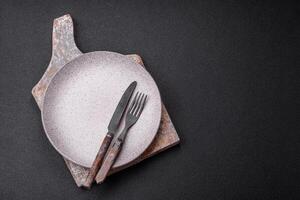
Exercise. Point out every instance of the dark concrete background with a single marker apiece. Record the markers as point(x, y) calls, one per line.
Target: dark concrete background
point(226, 72)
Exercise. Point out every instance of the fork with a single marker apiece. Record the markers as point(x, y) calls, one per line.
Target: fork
point(132, 115)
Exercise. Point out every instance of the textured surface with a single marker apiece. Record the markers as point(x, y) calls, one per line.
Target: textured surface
point(83, 95)
point(228, 73)
point(62, 42)
point(108, 161)
point(98, 161)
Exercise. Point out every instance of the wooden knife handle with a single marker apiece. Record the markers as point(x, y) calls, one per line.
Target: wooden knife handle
point(108, 161)
point(98, 161)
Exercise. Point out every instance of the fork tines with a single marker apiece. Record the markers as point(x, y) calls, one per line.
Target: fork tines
point(137, 104)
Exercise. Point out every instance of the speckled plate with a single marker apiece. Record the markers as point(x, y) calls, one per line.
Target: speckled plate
point(81, 99)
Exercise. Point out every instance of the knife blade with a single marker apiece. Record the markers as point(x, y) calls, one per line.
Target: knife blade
point(116, 118)
point(112, 129)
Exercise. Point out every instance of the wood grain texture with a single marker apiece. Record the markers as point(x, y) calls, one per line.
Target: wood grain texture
point(98, 161)
point(108, 161)
point(64, 50)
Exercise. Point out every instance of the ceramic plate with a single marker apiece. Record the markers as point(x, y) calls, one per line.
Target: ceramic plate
point(81, 98)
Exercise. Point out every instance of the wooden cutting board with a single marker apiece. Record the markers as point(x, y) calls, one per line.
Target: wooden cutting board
point(64, 50)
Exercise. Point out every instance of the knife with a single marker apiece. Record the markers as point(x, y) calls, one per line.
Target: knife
point(112, 129)
point(133, 114)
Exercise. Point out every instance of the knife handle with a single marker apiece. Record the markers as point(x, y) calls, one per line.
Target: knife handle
point(109, 161)
point(98, 161)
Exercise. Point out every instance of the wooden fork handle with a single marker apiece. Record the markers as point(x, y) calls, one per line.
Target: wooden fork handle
point(98, 161)
point(108, 161)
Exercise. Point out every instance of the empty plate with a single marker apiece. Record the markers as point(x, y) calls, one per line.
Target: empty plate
point(81, 98)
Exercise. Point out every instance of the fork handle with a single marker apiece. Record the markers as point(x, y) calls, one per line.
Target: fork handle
point(109, 161)
point(98, 161)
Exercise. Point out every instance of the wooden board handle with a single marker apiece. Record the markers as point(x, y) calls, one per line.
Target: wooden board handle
point(64, 50)
point(108, 161)
point(98, 161)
